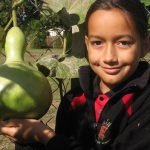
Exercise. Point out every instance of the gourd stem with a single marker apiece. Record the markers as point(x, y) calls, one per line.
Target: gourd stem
point(14, 14)
point(14, 17)
point(17, 3)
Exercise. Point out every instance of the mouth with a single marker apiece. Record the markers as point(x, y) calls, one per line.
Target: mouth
point(111, 71)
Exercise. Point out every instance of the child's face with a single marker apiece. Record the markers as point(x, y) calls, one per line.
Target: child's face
point(114, 46)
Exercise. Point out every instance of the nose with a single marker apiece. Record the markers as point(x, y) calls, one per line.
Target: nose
point(110, 54)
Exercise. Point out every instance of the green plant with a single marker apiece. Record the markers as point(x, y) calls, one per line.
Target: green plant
point(24, 91)
point(70, 13)
point(65, 66)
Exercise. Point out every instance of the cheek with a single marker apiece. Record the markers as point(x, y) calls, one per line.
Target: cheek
point(130, 57)
point(93, 56)
point(93, 59)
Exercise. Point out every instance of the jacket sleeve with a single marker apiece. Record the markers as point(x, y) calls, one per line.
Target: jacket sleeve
point(64, 129)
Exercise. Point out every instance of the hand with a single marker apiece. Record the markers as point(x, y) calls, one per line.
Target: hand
point(26, 131)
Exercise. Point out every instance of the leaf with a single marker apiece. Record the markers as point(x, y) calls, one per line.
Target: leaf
point(62, 71)
point(68, 68)
point(68, 19)
point(73, 63)
point(78, 7)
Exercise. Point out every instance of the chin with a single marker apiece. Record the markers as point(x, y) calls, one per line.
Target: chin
point(112, 82)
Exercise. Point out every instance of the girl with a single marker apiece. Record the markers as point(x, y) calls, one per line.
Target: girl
point(111, 110)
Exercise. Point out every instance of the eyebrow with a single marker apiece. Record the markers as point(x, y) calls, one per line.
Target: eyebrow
point(116, 37)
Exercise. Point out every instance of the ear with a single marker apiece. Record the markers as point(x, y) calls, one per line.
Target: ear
point(146, 46)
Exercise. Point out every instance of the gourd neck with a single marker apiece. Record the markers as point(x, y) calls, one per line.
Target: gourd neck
point(15, 45)
point(13, 56)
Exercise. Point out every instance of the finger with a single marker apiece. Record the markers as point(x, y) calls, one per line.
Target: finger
point(10, 131)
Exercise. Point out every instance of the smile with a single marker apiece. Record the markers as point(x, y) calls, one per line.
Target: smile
point(111, 71)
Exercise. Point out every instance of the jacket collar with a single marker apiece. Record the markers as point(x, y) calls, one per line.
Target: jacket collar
point(141, 76)
point(86, 77)
point(89, 82)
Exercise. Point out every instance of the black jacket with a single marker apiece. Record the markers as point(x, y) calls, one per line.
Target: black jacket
point(124, 123)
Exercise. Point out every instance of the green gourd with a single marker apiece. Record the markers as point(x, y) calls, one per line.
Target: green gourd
point(24, 91)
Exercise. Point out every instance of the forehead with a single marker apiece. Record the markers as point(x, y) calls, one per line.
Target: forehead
point(111, 20)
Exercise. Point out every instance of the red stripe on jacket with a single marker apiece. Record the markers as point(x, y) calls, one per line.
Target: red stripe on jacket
point(78, 100)
point(127, 101)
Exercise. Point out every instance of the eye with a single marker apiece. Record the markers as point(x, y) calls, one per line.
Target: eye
point(96, 43)
point(124, 43)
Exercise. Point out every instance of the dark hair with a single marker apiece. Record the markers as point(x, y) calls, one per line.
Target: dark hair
point(135, 8)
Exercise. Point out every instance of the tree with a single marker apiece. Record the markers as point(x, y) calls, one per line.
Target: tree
point(71, 13)
point(31, 18)
point(36, 20)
